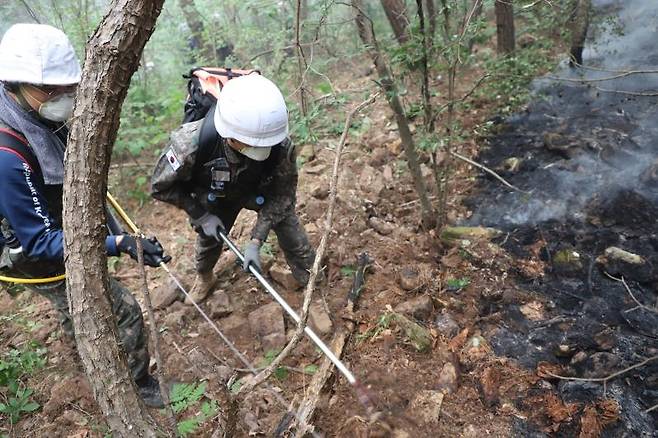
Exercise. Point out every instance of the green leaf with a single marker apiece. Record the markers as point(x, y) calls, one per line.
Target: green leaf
point(281, 373)
point(187, 427)
point(311, 369)
point(31, 406)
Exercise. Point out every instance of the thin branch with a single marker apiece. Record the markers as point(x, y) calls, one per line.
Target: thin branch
point(315, 269)
point(630, 292)
point(607, 378)
point(489, 171)
point(651, 409)
point(154, 335)
point(608, 78)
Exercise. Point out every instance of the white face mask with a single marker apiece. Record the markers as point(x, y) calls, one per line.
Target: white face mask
point(59, 108)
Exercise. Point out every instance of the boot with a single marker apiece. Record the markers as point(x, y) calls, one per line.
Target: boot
point(203, 283)
point(149, 390)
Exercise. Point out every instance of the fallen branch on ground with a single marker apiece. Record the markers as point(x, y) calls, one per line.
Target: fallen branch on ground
point(310, 286)
point(308, 406)
point(630, 292)
point(489, 171)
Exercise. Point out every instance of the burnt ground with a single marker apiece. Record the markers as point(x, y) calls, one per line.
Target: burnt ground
point(588, 158)
point(533, 303)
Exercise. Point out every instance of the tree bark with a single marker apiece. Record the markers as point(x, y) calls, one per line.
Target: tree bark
point(367, 35)
point(505, 26)
point(578, 24)
point(112, 56)
point(200, 43)
point(396, 12)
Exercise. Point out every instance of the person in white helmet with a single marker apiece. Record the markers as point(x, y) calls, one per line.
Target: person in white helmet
point(238, 156)
point(39, 73)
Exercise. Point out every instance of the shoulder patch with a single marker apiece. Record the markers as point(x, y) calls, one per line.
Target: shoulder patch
point(172, 159)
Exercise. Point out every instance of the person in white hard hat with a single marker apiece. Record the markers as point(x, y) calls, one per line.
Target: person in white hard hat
point(39, 73)
point(238, 156)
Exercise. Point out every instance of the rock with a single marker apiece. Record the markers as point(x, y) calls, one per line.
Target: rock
point(311, 228)
point(561, 144)
point(409, 278)
point(526, 40)
point(381, 226)
point(567, 261)
point(621, 263)
point(456, 235)
point(426, 406)
point(446, 325)
point(316, 169)
point(395, 147)
point(371, 182)
point(175, 320)
point(306, 153)
point(165, 295)
point(578, 358)
point(448, 378)
point(606, 339)
point(235, 325)
point(319, 319)
point(564, 350)
point(226, 261)
point(320, 191)
point(420, 307)
point(219, 304)
point(533, 311)
point(489, 385)
point(415, 334)
point(379, 157)
point(511, 165)
point(601, 364)
point(67, 392)
point(387, 173)
point(267, 323)
point(283, 276)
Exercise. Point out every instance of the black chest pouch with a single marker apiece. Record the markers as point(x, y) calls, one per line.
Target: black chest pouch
point(220, 177)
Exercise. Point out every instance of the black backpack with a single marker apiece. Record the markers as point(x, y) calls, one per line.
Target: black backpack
point(203, 88)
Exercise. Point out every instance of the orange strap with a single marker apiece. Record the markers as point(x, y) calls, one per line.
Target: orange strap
point(213, 79)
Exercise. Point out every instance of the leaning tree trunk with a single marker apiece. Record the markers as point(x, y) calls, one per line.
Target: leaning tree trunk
point(202, 44)
point(112, 56)
point(505, 26)
point(366, 33)
point(578, 23)
point(396, 12)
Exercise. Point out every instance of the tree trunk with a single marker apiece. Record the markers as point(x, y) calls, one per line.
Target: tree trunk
point(578, 24)
point(396, 11)
point(112, 57)
point(505, 26)
point(366, 33)
point(199, 43)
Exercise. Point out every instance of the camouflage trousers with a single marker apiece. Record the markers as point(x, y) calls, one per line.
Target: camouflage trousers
point(127, 312)
point(289, 232)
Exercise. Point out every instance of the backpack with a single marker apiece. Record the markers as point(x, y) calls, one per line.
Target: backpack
point(203, 88)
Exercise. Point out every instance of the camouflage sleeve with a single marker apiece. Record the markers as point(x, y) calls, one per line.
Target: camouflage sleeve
point(280, 194)
point(174, 170)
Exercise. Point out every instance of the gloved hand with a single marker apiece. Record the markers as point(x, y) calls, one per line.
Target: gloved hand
point(153, 251)
point(252, 255)
point(209, 224)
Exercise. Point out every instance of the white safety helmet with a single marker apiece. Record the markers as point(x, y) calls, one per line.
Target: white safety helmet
point(38, 54)
point(251, 109)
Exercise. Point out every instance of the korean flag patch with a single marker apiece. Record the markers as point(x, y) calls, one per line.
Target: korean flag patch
point(172, 160)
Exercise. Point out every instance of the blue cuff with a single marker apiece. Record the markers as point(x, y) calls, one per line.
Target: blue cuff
point(111, 246)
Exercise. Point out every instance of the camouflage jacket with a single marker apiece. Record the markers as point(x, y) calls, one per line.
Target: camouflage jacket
point(182, 177)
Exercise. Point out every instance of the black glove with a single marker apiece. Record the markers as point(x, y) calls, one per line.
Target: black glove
point(209, 225)
point(153, 251)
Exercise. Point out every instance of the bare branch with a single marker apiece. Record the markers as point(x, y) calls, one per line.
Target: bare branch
point(630, 292)
point(489, 171)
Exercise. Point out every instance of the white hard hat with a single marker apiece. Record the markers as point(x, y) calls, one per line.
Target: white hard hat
point(38, 54)
point(251, 109)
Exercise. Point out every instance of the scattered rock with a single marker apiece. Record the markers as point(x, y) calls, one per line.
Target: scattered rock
point(489, 385)
point(165, 295)
point(448, 378)
point(463, 236)
point(446, 325)
point(415, 334)
point(319, 319)
point(395, 147)
point(220, 304)
point(426, 406)
point(578, 358)
point(379, 157)
point(320, 191)
point(235, 326)
point(602, 364)
point(606, 339)
point(564, 350)
point(316, 169)
point(283, 276)
point(175, 320)
point(267, 323)
point(381, 226)
point(533, 311)
point(420, 307)
point(619, 262)
point(567, 261)
point(561, 144)
point(409, 278)
point(371, 182)
point(306, 153)
point(71, 391)
point(511, 165)
point(311, 228)
point(387, 173)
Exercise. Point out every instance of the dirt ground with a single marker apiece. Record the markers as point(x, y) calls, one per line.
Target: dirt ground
point(460, 291)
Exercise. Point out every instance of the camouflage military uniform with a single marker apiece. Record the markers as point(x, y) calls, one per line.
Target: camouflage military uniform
point(182, 177)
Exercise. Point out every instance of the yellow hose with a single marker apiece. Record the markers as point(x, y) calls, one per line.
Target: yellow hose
point(19, 280)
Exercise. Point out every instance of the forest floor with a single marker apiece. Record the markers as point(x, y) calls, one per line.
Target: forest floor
point(505, 315)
